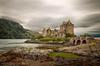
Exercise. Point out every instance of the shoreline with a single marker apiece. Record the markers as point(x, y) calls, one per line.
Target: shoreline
point(23, 58)
point(40, 42)
point(28, 56)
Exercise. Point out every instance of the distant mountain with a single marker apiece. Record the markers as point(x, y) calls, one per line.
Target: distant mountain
point(10, 29)
point(96, 35)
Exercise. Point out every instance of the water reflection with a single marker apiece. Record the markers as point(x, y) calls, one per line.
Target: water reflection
point(6, 44)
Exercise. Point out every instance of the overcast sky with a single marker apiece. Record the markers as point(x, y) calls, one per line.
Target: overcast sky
point(37, 14)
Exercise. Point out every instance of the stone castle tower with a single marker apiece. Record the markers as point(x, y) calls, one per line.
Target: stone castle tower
point(65, 28)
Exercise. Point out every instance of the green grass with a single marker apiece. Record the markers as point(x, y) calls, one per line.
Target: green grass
point(64, 55)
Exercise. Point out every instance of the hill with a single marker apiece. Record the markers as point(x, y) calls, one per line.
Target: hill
point(10, 29)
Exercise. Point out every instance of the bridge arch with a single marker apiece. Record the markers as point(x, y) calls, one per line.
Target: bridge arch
point(79, 41)
point(84, 41)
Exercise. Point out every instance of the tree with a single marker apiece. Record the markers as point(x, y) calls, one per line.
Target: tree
point(85, 35)
point(69, 35)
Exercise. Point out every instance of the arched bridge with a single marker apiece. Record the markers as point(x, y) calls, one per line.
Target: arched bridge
point(78, 41)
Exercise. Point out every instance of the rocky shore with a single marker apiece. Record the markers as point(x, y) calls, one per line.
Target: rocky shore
point(32, 57)
point(85, 49)
point(25, 57)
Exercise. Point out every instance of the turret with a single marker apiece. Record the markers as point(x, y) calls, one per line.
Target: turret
point(69, 27)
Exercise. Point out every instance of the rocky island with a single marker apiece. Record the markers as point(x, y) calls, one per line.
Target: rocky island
point(80, 55)
point(54, 36)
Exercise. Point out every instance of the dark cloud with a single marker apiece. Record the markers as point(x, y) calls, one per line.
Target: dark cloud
point(37, 14)
point(94, 32)
point(20, 5)
point(91, 23)
point(88, 5)
point(11, 18)
point(90, 20)
point(25, 6)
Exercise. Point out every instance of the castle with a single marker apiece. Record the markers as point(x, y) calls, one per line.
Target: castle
point(65, 28)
